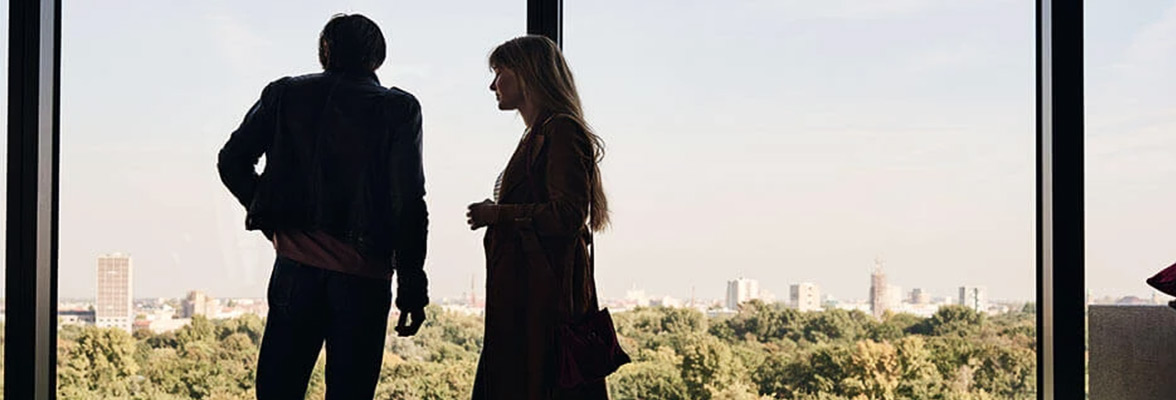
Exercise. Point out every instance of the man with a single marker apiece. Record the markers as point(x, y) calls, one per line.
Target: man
point(342, 200)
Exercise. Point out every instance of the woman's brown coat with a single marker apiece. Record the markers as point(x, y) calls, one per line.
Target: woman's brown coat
point(545, 193)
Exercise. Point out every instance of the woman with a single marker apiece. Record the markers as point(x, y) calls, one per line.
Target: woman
point(548, 200)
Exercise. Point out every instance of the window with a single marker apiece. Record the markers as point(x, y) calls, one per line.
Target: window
point(150, 93)
point(758, 147)
point(157, 155)
point(1129, 148)
point(1130, 116)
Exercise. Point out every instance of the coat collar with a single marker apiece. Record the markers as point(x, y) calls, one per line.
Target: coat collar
point(518, 170)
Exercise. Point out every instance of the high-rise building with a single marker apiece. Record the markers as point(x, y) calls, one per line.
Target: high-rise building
point(114, 292)
point(974, 297)
point(805, 297)
point(919, 297)
point(879, 296)
point(741, 290)
point(197, 303)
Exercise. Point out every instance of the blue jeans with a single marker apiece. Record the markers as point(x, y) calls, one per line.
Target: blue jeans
point(310, 305)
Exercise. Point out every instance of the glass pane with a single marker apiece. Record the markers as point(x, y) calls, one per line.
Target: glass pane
point(1130, 115)
point(816, 198)
point(162, 290)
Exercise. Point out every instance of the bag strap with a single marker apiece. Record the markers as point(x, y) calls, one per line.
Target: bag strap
point(592, 260)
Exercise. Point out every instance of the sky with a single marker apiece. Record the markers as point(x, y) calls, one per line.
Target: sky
point(785, 141)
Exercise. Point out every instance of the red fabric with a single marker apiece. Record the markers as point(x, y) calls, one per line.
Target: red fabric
point(319, 249)
point(1165, 280)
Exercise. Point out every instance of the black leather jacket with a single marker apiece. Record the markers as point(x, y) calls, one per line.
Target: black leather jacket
point(342, 155)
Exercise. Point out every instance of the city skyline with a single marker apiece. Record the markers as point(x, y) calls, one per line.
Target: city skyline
point(160, 315)
point(948, 289)
point(926, 157)
point(738, 290)
point(164, 314)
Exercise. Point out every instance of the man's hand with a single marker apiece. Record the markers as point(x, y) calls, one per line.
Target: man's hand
point(404, 328)
point(481, 214)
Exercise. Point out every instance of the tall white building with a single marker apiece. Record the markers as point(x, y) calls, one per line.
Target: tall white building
point(805, 297)
point(974, 297)
point(741, 290)
point(879, 295)
point(113, 308)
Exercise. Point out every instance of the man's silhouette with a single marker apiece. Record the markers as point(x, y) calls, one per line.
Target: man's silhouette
point(342, 200)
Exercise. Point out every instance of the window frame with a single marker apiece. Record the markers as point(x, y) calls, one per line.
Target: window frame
point(34, 77)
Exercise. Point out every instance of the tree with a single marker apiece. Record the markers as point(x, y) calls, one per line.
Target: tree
point(737, 391)
point(951, 320)
point(425, 380)
point(707, 364)
point(237, 358)
point(446, 336)
point(656, 327)
point(647, 380)
point(682, 320)
point(919, 377)
point(764, 351)
point(316, 388)
point(100, 361)
point(892, 327)
point(201, 329)
point(760, 322)
point(162, 370)
point(837, 325)
point(250, 325)
point(1007, 372)
point(772, 375)
point(818, 370)
point(205, 360)
point(873, 370)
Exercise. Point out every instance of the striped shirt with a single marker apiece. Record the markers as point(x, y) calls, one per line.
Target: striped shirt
point(498, 188)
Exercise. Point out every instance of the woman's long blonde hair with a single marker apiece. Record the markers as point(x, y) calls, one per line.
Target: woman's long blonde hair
point(544, 77)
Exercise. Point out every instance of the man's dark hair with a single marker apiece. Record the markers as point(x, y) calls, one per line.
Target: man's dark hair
point(351, 43)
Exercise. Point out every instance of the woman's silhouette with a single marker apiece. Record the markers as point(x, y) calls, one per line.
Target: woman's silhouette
point(547, 202)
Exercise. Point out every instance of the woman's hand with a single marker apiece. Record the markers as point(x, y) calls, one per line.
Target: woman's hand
point(481, 214)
